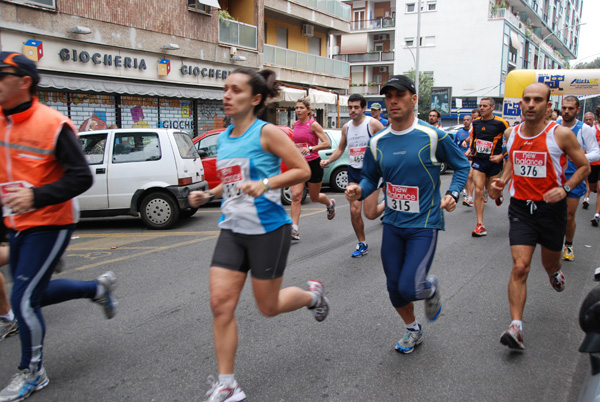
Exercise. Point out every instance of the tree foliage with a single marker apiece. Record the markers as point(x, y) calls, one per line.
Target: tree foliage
point(425, 84)
point(591, 64)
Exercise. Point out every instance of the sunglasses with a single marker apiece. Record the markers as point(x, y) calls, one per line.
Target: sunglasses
point(5, 73)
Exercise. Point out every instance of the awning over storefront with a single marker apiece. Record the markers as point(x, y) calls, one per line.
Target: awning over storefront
point(344, 100)
point(323, 97)
point(287, 94)
point(127, 88)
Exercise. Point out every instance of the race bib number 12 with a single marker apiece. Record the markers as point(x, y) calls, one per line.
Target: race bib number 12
point(402, 198)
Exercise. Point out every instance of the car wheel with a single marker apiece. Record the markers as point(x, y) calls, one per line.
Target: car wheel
point(286, 195)
point(443, 167)
point(159, 211)
point(187, 213)
point(339, 179)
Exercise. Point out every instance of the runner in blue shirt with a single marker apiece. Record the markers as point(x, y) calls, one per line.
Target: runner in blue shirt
point(406, 155)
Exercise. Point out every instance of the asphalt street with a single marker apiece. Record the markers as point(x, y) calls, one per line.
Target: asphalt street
point(159, 346)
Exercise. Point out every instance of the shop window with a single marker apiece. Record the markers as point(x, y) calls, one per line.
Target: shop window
point(49, 4)
point(136, 147)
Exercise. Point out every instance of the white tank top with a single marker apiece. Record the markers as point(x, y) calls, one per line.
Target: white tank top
point(358, 138)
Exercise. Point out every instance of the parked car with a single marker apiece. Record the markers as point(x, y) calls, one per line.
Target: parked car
point(451, 130)
point(141, 172)
point(336, 174)
point(206, 145)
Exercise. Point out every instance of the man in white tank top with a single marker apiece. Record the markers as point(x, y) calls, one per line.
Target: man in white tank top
point(355, 135)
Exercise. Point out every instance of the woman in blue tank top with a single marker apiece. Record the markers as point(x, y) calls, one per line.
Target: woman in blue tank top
point(255, 229)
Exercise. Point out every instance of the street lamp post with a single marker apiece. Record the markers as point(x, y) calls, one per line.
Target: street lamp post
point(549, 35)
point(417, 58)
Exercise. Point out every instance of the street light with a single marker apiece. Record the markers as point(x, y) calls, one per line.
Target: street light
point(551, 34)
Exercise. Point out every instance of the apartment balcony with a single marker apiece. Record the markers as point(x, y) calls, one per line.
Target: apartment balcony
point(237, 34)
point(371, 57)
point(328, 14)
point(304, 61)
point(364, 89)
point(373, 24)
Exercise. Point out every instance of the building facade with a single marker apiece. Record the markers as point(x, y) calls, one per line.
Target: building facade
point(163, 64)
point(466, 46)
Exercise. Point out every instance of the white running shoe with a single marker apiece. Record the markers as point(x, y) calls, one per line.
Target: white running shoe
point(108, 281)
point(224, 393)
point(23, 384)
point(321, 308)
point(410, 339)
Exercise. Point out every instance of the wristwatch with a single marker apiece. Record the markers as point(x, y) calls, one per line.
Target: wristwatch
point(566, 188)
point(309, 149)
point(211, 196)
point(265, 183)
point(454, 194)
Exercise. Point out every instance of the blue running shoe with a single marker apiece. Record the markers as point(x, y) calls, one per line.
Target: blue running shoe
point(410, 339)
point(23, 384)
point(361, 249)
point(433, 305)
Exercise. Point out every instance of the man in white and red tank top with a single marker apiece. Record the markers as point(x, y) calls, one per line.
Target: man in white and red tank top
point(537, 213)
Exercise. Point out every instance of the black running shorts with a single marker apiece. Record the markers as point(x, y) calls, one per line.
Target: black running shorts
point(264, 255)
point(316, 171)
point(594, 174)
point(535, 223)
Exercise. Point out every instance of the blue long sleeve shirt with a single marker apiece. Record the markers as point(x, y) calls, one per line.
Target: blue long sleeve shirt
point(411, 171)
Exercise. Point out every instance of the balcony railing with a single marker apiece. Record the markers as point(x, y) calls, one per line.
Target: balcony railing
point(333, 7)
point(237, 33)
point(372, 24)
point(497, 13)
point(365, 57)
point(365, 89)
point(307, 62)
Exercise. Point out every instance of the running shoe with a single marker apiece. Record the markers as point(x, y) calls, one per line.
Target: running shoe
point(331, 210)
point(108, 281)
point(23, 384)
point(8, 328)
point(433, 305)
point(321, 308)
point(486, 196)
point(295, 234)
point(464, 193)
point(557, 280)
point(513, 337)
point(361, 250)
point(595, 220)
point(224, 393)
point(586, 203)
point(466, 201)
point(479, 231)
point(568, 253)
point(499, 200)
point(410, 339)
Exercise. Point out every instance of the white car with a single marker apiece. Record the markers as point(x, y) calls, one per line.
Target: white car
point(141, 172)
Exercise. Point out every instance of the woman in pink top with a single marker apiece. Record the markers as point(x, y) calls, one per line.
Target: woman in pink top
point(307, 134)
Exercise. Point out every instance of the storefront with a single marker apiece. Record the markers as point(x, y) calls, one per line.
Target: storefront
point(129, 89)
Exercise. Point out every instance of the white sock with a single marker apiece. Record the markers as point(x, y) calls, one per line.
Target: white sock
point(518, 323)
point(294, 227)
point(226, 379)
point(331, 202)
point(414, 326)
point(99, 291)
point(315, 299)
point(8, 317)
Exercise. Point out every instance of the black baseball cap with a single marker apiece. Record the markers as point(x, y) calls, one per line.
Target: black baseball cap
point(399, 82)
point(21, 63)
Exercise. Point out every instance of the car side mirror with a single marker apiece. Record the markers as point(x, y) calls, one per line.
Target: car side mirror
point(202, 153)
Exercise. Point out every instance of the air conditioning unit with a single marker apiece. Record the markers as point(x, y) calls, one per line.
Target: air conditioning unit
point(382, 37)
point(308, 30)
point(383, 69)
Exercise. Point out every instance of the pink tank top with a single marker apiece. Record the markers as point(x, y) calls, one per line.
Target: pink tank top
point(304, 137)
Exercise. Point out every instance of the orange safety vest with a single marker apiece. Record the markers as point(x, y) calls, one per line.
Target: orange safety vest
point(27, 148)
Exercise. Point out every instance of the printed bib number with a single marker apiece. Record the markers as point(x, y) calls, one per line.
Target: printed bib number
point(6, 211)
point(301, 146)
point(231, 177)
point(484, 147)
point(402, 198)
point(529, 164)
point(357, 154)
